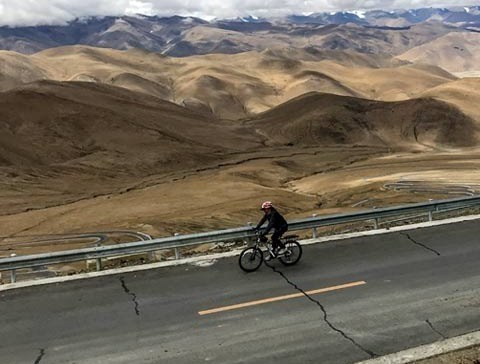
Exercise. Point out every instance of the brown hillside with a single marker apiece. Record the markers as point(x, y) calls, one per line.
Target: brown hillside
point(327, 119)
point(455, 52)
point(85, 124)
point(206, 39)
point(16, 69)
point(463, 93)
point(236, 86)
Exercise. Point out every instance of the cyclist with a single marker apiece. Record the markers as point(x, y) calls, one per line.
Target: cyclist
point(277, 222)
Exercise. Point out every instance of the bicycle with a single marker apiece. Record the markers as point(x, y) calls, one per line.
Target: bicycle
point(251, 258)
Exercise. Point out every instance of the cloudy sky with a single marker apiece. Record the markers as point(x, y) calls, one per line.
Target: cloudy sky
point(35, 12)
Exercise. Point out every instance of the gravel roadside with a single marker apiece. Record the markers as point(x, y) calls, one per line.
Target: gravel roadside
point(467, 356)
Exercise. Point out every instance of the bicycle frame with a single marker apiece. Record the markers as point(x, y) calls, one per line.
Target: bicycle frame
point(291, 255)
point(267, 244)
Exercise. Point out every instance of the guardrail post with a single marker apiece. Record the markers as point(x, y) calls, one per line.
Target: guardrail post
point(13, 272)
point(151, 256)
point(98, 261)
point(375, 223)
point(99, 264)
point(177, 253)
point(430, 212)
point(314, 230)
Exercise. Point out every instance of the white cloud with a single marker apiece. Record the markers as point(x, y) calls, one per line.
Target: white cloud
point(35, 12)
point(140, 7)
point(48, 12)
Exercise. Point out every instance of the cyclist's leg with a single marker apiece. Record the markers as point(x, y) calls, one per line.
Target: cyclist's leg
point(283, 231)
point(276, 242)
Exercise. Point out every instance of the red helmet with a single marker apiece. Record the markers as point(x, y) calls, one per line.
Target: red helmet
point(267, 205)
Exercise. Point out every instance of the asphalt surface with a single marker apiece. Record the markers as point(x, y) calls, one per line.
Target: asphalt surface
point(421, 286)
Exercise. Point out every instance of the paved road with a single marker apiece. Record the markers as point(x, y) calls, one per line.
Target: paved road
point(420, 287)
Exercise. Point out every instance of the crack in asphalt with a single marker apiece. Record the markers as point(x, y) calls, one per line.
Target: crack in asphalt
point(420, 244)
point(134, 296)
point(40, 356)
point(435, 330)
point(325, 314)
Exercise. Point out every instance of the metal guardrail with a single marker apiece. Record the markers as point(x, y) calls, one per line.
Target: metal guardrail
point(238, 234)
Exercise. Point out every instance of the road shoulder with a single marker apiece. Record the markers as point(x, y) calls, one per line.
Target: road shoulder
point(435, 350)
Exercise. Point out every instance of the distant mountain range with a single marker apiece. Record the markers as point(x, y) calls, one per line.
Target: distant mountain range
point(459, 16)
point(185, 36)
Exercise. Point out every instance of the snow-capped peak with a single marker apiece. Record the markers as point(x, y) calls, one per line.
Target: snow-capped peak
point(359, 13)
point(248, 18)
point(188, 20)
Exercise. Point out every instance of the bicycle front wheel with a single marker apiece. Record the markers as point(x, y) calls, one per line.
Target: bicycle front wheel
point(293, 254)
point(250, 259)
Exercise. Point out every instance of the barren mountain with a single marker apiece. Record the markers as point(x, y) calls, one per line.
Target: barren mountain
point(366, 32)
point(64, 141)
point(207, 39)
point(463, 93)
point(317, 118)
point(51, 123)
point(146, 32)
point(234, 86)
point(17, 69)
point(454, 52)
point(87, 156)
point(458, 15)
point(461, 15)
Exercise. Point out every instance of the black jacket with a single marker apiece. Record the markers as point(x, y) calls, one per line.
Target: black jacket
point(275, 221)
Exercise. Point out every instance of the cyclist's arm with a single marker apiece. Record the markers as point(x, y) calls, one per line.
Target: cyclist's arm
point(262, 221)
point(269, 227)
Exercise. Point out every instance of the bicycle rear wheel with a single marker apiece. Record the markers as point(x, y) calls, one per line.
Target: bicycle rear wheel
point(250, 259)
point(293, 254)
